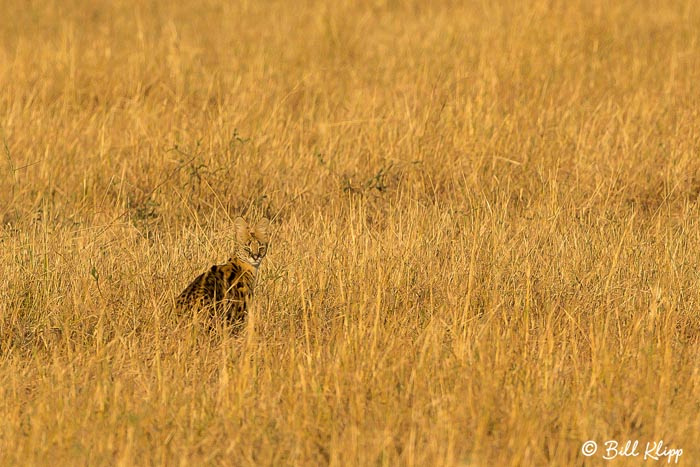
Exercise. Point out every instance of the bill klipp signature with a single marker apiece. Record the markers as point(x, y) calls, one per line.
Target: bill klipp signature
point(652, 450)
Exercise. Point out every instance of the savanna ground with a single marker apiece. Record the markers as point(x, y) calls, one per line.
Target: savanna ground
point(486, 235)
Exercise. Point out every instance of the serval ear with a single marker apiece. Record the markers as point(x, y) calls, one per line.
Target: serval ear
point(242, 230)
point(262, 230)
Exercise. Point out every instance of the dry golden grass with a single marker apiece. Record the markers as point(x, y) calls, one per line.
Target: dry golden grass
point(485, 246)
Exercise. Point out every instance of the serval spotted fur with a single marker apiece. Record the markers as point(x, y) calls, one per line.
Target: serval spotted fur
point(226, 289)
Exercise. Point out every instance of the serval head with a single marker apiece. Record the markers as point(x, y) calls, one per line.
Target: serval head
point(251, 241)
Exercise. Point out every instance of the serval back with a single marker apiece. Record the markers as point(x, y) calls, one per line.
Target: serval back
point(225, 290)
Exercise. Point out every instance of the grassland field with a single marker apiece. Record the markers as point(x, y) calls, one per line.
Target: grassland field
point(485, 230)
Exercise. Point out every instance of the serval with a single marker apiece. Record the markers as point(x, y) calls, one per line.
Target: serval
point(225, 290)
